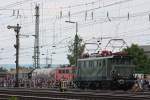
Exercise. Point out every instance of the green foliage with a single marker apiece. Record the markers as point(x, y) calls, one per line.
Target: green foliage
point(3, 69)
point(72, 49)
point(13, 98)
point(141, 60)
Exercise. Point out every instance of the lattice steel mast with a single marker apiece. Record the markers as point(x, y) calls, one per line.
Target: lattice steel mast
point(36, 43)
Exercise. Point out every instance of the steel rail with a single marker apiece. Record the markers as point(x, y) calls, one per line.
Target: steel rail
point(78, 95)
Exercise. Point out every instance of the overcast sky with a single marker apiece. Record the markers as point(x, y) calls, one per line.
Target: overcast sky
point(125, 19)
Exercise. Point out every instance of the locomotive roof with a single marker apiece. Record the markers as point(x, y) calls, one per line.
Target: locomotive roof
point(105, 57)
point(95, 58)
point(43, 70)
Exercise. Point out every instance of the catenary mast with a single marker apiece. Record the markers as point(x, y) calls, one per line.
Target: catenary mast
point(36, 56)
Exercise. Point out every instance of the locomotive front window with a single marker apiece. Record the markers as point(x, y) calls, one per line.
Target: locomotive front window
point(124, 71)
point(99, 63)
point(82, 64)
point(121, 60)
point(87, 64)
point(90, 64)
point(95, 64)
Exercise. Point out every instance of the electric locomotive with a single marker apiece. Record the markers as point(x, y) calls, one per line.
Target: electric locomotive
point(105, 71)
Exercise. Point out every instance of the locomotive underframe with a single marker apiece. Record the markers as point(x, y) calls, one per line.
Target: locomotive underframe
point(106, 84)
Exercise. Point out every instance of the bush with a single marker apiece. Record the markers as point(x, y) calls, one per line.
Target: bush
point(13, 98)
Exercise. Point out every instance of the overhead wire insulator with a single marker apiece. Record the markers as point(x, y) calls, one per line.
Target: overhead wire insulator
point(128, 16)
point(13, 13)
point(85, 15)
point(17, 13)
point(149, 17)
point(60, 13)
point(108, 16)
point(92, 15)
point(69, 15)
point(54, 46)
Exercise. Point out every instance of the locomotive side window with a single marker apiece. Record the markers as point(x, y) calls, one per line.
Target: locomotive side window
point(63, 71)
point(59, 71)
point(79, 63)
point(104, 63)
point(87, 64)
point(95, 63)
point(99, 63)
point(90, 64)
point(67, 71)
point(82, 64)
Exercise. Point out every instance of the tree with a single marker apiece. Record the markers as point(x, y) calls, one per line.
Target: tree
point(141, 60)
point(72, 49)
point(3, 69)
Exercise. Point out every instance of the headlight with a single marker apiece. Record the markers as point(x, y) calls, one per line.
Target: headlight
point(121, 81)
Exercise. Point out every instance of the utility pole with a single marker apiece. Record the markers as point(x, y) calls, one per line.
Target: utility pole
point(51, 60)
point(36, 43)
point(47, 59)
point(17, 45)
point(75, 41)
point(76, 45)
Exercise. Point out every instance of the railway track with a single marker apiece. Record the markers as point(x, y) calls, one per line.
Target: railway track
point(77, 90)
point(22, 97)
point(44, 94)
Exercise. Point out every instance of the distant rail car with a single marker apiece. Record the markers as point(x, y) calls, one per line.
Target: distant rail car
point(66, 73)
point(105, 71)
point(53, 76)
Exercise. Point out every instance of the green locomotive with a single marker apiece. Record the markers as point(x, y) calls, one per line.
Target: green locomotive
point(105, 71)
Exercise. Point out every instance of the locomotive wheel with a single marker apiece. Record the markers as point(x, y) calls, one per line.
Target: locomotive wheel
point(114, 85)
point(82, 85)
point(93, 86)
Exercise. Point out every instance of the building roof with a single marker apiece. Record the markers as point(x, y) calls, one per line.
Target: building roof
point(21, 70)
point(146, 48)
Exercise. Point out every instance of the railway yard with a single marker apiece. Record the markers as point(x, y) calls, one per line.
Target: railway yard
point(74, 50)
point(73, 94)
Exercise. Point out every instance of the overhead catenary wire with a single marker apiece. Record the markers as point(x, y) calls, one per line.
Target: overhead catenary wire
point(88, 23)
point(87, 10)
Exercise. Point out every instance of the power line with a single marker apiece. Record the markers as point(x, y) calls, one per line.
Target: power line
point(109, 5)
point(15, 4)
point(78, 5)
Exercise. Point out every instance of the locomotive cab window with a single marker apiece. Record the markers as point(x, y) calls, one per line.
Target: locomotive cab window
point(67, 71)
point(59, 71)
point(123, 71)
point(121, 60)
